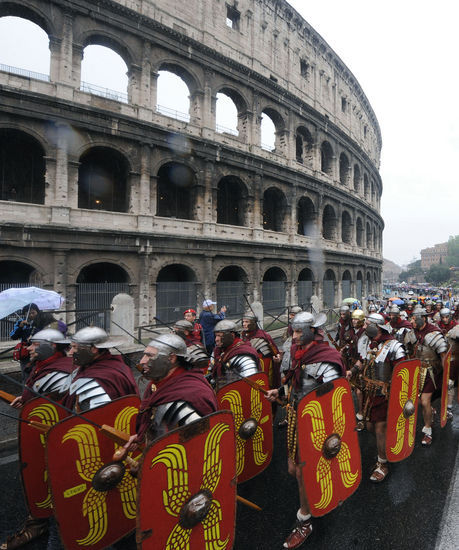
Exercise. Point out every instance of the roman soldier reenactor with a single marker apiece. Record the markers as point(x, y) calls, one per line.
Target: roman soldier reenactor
point(344, 326)
point(402, 329)
point(356, 353)
point(383, 353)
point(100, 377)
point(197, 354)
point(177, 395)
point(232, 358)
point(446, 322)
point(264, 344)
point(430, 348)
point(313, 362)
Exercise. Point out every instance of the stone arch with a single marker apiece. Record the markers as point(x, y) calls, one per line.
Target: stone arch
point(185, 73)
point(305, 287)
point(231, 287)
point(22, 167)
point(176, 191)
point(326, 158)
point(369, 288)
point(359, 232)
point(279, 127)
point(359, 285)
point(241, 104)
point(97, 284)
point(31, 13)
point(357, 178)
point(346, 227)
point(103, 180)
point(306, 217)
point(329, 223)
point(112, 41)
point(14, 271)
point(366, 186)
point(274, 209)
point(176, 289)
point(346, 281)
point(369, 236)
point(231, 201)
point(274, 289)
point(304, 146)
point(329, 283)
point(344, 169)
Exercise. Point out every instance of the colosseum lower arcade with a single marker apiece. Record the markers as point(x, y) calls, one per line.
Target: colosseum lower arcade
point(103, 194)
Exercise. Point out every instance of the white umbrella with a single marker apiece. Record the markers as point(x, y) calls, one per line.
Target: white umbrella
point(16, 298)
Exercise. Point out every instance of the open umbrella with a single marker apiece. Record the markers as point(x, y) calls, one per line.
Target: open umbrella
point(350, 300)
point(13, 299)
point(398, 302)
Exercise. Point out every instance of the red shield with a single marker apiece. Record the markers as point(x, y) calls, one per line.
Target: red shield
point(328, 446)
point(444, 388)
point(193, 465)
point(253, 424)
point(402, 410)
point(267, 366)
point(88, 513)
point(32, 454)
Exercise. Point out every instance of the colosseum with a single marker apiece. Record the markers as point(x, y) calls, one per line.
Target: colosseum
point(102, 193)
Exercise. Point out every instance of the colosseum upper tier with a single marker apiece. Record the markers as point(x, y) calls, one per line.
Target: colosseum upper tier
point(99, 189)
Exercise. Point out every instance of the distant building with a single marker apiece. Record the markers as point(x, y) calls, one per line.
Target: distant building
point(434, 255)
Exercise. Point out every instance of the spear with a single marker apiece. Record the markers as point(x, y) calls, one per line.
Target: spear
point(38, 425)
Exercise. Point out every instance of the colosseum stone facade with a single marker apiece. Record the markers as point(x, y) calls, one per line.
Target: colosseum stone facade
point(172, 209)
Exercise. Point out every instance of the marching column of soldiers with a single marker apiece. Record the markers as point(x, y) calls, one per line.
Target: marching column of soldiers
point(166, 464)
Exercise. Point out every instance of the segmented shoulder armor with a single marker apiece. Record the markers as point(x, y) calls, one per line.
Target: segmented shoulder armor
point(89, 393)
point(174, 414)
point(245, 365)
point(53, 382)
point(262, 346)
point(396, 351)
point(436, 341)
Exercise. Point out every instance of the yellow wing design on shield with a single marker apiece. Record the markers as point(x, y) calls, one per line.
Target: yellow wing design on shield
point(235, 402)
point(401, 421)
point(94, 506)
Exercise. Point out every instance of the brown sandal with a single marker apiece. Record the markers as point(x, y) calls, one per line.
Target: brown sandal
point(32, 529)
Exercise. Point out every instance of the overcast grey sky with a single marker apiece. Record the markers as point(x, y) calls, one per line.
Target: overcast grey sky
point(404, 54)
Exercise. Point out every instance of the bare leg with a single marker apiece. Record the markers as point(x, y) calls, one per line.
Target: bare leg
point(295, 470)
point(380, 432)
point(426, 399)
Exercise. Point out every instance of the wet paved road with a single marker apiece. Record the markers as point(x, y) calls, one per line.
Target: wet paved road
point(403, 513)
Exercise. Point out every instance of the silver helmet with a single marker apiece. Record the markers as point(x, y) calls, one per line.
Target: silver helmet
point(295, 310)
point(378, 320)
point(94, 336)
point(183, 324)
point(419, 311)
point(51, 335)
point(169, 343)
point(445, 312)
point(344, 308)
point(225, 326)
point(394, 309)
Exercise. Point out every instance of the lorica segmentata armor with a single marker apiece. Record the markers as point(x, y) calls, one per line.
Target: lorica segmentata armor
point(89, 393)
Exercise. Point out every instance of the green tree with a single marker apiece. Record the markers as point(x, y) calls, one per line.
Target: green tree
point(438, 274)
point(453, 252)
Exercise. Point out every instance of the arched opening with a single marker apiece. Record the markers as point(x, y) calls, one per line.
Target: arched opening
point(329, 222)
point(329, 288)
point(346, 227)
point(274, 207)
point(104, 71)
point(343, 169)
point(359, 232)
point(15, 274)
point(175, 191)
point(173, 95)
point(231, 288)
point(304, 146)
point(359, 286)
point(97, 285)
point(369, 237)
point(306, 217)
point(273, 290)
point(231, 195)
point(268, 133)
point(305, 287)
point(346, 284)
point(103, 180)
point(22, 167)
point(369, 286)
point(226, 115)
point(356, 178)
point(175, 292)
point(326, 158)
point(366, 186)
point(24, 45)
